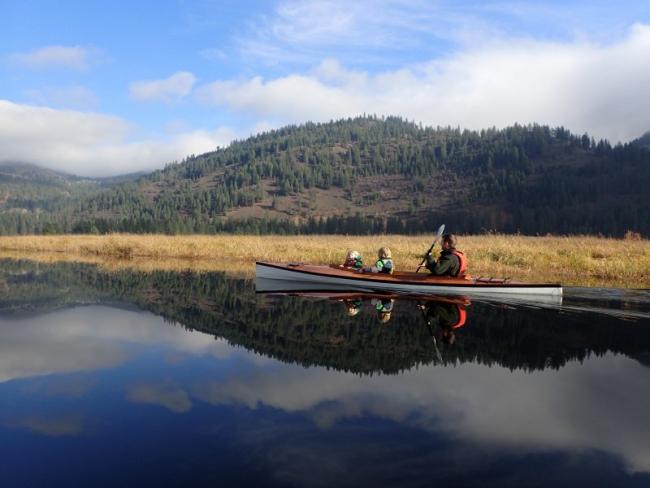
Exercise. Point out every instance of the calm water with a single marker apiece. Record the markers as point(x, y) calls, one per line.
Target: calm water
point(178, 378)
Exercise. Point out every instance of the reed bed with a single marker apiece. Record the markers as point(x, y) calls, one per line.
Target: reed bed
point(145, 264)
point(572, 260)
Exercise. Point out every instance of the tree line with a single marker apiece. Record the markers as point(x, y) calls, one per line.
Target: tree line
point(525, 178)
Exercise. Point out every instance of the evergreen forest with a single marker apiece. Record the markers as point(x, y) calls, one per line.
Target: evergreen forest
point(361, 175)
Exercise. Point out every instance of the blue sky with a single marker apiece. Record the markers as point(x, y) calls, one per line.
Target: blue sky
point(100, 87)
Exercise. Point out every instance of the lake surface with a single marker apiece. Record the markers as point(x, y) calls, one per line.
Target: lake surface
point(166, 378)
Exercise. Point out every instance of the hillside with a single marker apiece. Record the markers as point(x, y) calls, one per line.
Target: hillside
point(33, 198)
point(17, 178)
point(26, 189)
point(368, 175)
point(644, 140)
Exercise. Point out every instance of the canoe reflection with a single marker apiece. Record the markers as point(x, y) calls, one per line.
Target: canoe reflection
point(441, 318)
point(442, 315)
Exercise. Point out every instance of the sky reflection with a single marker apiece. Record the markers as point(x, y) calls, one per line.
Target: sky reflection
point(89, 338)
point(113, 375)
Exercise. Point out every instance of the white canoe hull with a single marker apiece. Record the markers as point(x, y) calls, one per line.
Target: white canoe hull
point(290, 278)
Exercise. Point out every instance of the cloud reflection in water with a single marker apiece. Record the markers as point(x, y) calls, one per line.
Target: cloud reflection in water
point(583, 406)
point(90, 338)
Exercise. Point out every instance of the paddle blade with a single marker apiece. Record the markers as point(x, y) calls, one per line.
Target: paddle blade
point(441, 230)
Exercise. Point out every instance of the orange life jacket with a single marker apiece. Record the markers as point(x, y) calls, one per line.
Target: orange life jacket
point(462, 260)
point(462, 317)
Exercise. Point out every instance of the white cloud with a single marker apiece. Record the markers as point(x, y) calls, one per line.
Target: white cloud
point(382, 32)
point(330, 70)
point(601, 89)
point(92, 144)
point(168, 90)
point(293, 98)
point(299, 30)
point(296, 21)
point(76, 96)
point(73, 57)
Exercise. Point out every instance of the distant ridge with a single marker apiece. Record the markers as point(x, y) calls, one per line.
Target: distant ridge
point(361, 175)
point(644, 140)
point(32, 171)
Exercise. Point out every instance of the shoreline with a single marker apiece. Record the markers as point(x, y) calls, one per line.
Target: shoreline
point(570, 260)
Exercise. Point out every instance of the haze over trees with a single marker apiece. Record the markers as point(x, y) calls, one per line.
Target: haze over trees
point(361, 175)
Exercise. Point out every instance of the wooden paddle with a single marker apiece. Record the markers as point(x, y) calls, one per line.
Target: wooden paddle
point(441, 230)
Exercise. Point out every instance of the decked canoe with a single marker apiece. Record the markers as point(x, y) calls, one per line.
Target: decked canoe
point(332, 278)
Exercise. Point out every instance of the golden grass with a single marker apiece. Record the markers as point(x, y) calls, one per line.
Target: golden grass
point(579, 260)
point(146, 264)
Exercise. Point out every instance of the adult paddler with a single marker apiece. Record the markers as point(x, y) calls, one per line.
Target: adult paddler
point(451, 261)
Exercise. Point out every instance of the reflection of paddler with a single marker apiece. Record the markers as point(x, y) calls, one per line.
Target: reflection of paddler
point(384, 308)
point(448, 315)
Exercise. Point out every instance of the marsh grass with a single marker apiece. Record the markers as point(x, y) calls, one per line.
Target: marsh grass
point(578, 260)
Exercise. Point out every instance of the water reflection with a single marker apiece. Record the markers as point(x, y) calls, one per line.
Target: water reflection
point(336, 330)
point(537, 411)
point(89, 338)
point(201, 378)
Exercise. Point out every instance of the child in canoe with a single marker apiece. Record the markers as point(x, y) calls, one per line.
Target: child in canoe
point(384, 264)
point(353, 260)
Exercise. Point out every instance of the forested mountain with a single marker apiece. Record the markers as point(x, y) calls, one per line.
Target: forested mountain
point(644, 140)
point(32, 198)
point(367, 175)
point(25, 186)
